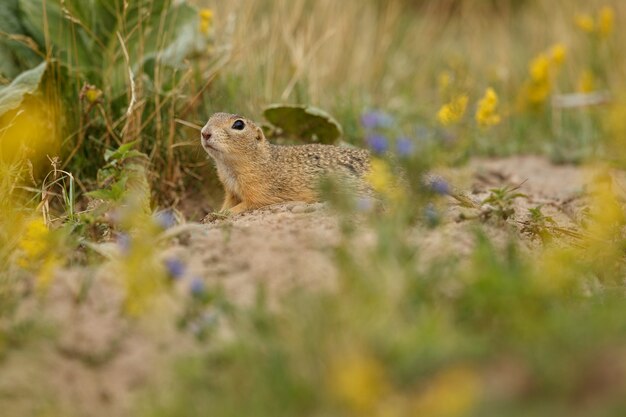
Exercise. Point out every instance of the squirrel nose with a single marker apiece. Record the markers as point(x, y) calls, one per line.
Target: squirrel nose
point(206, 134)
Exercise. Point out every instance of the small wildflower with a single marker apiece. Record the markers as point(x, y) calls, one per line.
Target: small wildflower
point(123, 243)
point(453, 111)
point(440, 186)
point(559, 53)
point(606, 21)
point(586, 83)
point(444, 79)
point(175, 268)
point(540, 68)
point(404, 146)
point(197, 287)
point(206, 18)
point(91, 93)
point(453, 392)
point(364, 204)
point(376, 119)
point(359, 381)
point(487, 111)
point(378, 143)
point(431, 215)
point(585, 22)
point(382, 180)
point(165, 219)
point(34, 244)
point(46, 272)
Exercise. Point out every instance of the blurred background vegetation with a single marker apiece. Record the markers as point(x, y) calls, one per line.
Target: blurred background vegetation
point(100, 104)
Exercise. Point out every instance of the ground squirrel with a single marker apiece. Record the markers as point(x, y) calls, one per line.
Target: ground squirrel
point(256, 173)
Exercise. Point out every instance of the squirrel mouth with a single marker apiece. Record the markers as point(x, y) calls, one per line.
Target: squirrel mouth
point(206, 144)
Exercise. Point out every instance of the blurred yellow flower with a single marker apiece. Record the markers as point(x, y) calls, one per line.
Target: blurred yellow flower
point(453, 111)
point(559, 53)
point(444, 79)
point(359, 381)
point(585, 22)
point(487, 111)
point(606, 21)
point(46, 272)
point(206, 18)
point(451, 393)
point(586, 83)
point(540, 68)
point(93, 94)
point(30, 131)
point(36, 252)
point(34, 244)
point(382, 180)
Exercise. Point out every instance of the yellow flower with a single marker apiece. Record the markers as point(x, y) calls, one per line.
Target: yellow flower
point(34, 244)
point(359, 381)
point(46, 272)
point(451, 393)
point(93, 94)
point(206, 18)
point(559, 53)
point(606, 21)
point(30, 130)
point(452, 112)
point(381, 179)
point(540, 68)
point(487, 112)
point(444, 80)
point(586, 82)
point(585, 22)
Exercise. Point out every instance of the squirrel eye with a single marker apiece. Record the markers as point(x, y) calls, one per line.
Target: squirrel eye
point(238, 125)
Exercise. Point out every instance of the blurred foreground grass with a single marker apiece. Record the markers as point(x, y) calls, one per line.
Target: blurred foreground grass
point(98, 155)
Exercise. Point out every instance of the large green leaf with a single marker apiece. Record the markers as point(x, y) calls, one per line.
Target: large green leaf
point(304, 122)
point(69, 41)
point(14, 55)
point(26, 83)
point(84, 35)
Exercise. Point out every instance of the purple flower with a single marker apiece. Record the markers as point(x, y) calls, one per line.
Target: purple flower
point(440, 186)
point(375, 119)
point(197, 286)
point(364, 204)
point(175, 268)
point(123, 242)
point(404, 146)
point(165, 219)
point(378, 143)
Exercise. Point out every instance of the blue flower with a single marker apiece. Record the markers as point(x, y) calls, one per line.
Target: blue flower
point(431, 215)
point(440, 186)
point(378, 143)
point(404, 146)
point(175, 268)
point(197, 286)
point(165, 219)
point(364, 204)
point(375, 119)
point(123, 242)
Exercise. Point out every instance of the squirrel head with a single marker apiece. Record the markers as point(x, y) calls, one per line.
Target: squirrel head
point(229, 137)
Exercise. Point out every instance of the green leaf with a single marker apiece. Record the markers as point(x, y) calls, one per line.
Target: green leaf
point(69, 41)
point(26, 83)
point(14, 55)
point(304, 122)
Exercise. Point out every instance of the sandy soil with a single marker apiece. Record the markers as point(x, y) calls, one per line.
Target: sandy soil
point(98, 359)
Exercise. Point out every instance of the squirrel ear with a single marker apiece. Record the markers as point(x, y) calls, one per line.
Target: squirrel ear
point(259, 134)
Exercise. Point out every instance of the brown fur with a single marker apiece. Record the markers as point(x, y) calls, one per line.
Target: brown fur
point(256, 173)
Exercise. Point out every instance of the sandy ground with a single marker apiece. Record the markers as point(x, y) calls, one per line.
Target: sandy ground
point(97, 359)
